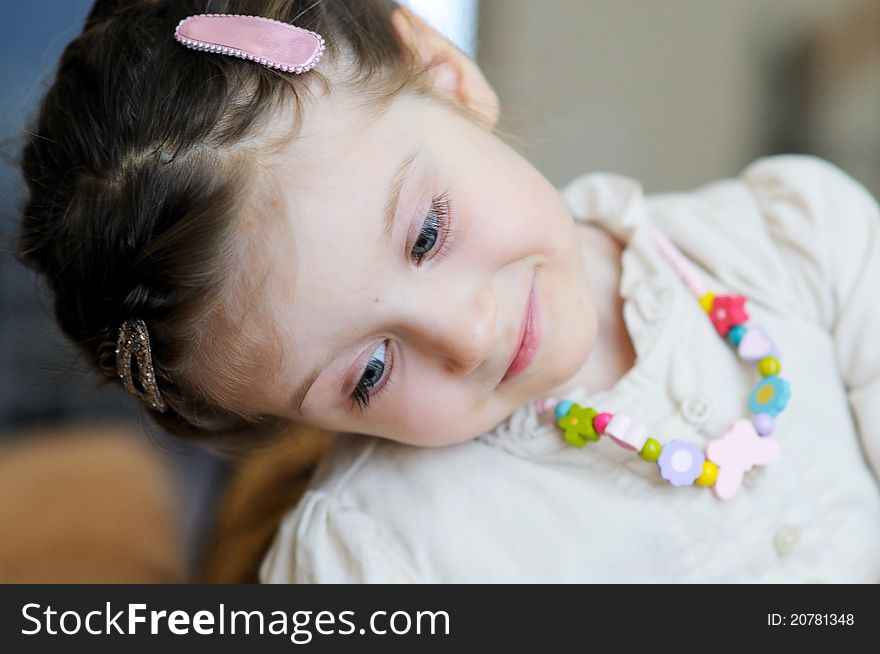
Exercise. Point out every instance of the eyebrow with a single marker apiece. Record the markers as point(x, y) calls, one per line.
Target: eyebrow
point(391, 204)
point(394, 190)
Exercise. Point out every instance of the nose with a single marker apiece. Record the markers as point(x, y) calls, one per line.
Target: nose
point(459, 327)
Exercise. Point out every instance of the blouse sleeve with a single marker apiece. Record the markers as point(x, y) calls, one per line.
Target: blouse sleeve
point(325, 541)
point(827, 229)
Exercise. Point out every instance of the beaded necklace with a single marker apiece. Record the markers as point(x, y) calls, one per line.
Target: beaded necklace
point(743, 445)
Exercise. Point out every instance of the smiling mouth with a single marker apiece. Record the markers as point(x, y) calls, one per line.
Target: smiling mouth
point(529, 340)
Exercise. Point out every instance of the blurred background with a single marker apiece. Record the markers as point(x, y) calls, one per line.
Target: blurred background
point(675, 93)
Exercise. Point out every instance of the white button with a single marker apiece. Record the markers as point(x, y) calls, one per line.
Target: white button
point(786, 539)
point(696, 409)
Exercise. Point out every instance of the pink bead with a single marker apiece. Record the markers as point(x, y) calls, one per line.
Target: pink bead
point(735, 452)
point(601, 421)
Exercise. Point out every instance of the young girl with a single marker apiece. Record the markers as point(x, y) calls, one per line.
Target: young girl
point(321, 225)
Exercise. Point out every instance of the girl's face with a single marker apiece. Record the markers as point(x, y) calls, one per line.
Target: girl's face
point(402, 255)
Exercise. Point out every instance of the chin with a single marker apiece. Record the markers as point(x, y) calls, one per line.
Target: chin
point(572, 356)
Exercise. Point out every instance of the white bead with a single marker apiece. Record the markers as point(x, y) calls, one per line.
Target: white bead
point(626, 433)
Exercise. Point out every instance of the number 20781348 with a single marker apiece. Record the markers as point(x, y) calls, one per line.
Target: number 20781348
point(810, 619)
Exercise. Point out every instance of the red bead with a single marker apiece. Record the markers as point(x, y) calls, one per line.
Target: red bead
point(601, 421)
point(727, 312)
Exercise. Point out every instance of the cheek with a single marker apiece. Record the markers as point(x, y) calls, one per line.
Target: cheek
point(515, 230)
point(432, 411)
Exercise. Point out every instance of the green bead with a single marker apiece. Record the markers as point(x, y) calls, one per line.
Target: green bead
point(578, 425)
point(651, 450)
point(769, 366)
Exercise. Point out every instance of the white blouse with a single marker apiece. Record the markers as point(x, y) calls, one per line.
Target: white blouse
point(801, 240)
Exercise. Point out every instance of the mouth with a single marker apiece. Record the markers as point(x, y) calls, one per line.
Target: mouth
point(530, 338)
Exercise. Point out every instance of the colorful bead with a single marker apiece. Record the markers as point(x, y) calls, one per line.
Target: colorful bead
point(578, 425)
point(706, 301)
point(756, 344)
point(735, 334)
point(627, 433)
point(763, 424)
point(727, 312)
point(681, 462)
point(651, 450)
point(735, 453)
point(769, 366)
point(770, 395)
point(562, 409)
point(708, 475)
point(600, 422)
point(726, 459)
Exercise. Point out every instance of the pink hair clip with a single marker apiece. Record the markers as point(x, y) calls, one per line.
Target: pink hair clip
point(266, 41)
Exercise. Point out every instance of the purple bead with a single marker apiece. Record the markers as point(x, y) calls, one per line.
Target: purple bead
point(763, 423)
point(681, 462)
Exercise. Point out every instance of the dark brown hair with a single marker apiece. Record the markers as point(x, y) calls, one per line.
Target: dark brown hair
point(140, 169)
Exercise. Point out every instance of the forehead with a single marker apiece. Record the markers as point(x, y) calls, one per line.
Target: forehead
point(341, 135)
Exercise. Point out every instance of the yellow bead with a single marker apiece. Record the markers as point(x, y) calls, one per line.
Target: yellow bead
point(709, 474)
point(651, 450)
point(769, 366)
point(706, 301)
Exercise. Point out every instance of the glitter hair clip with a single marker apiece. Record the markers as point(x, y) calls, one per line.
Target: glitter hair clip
point(266, 41)
point(134, 339)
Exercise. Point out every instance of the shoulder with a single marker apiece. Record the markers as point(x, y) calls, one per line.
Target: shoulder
point(327, 537)
point(369, 508)
point(326, 540)
point(777, 232)
point(817, 185)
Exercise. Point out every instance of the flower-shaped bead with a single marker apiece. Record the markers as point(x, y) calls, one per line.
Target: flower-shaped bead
point(727, 312)
point(681, 462)
point(770, 396)
point(578, 425)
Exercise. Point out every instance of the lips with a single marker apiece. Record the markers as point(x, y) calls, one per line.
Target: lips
point(530, 333)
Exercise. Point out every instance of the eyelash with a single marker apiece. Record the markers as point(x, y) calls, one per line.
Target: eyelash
point(441, 208)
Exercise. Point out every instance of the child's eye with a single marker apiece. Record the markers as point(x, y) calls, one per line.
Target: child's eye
point(436, 225)
point(371, 378)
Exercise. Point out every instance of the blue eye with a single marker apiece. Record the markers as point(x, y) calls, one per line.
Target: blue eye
point(436, 224)
point(370, 378)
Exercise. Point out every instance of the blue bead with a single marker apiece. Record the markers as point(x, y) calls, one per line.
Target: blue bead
point(562, 409)
point(736, 334)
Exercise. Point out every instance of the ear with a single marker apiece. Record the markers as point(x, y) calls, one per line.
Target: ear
point(452, 72)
